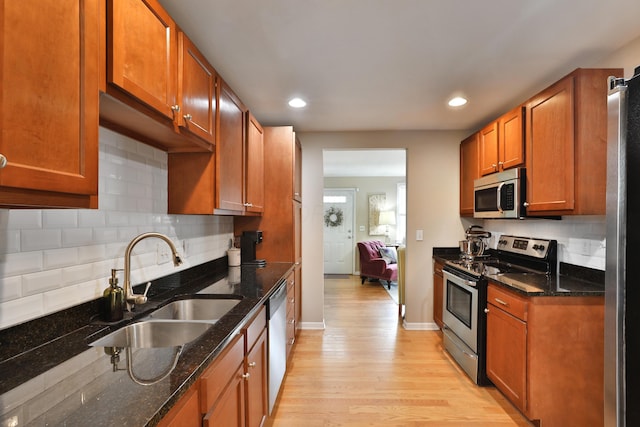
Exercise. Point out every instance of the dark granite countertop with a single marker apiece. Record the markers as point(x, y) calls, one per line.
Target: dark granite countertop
point(61, 380)
point(572, 280)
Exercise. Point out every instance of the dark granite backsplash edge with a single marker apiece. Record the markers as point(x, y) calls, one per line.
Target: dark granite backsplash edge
point(582, 273)
point(35, 333)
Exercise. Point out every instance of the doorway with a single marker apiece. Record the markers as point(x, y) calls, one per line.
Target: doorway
point(339, 215)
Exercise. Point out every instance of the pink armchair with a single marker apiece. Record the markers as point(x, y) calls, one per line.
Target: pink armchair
point(373, 266)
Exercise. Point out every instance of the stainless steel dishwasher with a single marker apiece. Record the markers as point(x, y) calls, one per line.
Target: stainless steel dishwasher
point(277, 340)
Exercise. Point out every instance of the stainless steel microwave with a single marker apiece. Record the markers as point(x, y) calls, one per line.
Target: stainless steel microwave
point(500, 195)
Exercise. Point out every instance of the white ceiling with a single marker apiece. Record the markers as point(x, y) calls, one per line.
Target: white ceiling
point(392, 64)
point(364, 162)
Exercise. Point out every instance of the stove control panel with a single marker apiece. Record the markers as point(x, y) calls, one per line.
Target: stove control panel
point(537, 248)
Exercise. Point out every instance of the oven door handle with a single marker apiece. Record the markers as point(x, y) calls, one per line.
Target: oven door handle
point(459, 280)
point(500, 197)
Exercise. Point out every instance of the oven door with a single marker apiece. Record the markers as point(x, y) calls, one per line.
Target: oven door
point(460, 308)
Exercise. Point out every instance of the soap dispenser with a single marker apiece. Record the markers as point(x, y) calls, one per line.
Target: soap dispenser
point(113, 300)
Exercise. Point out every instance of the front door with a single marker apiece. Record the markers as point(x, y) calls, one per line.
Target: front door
point(338, 231)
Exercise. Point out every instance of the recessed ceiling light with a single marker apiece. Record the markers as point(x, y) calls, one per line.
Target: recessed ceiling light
point(457, 101)
point(297, 103)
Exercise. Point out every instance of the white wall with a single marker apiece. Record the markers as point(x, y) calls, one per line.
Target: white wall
point(52, 259)
point(432, 205)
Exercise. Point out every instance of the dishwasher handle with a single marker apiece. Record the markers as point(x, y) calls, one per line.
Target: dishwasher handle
point(278, 298)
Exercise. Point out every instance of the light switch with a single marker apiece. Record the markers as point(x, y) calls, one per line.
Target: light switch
point(361, 228)
point(419, 235)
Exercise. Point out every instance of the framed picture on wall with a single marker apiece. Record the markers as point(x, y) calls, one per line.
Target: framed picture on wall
point(377, 203)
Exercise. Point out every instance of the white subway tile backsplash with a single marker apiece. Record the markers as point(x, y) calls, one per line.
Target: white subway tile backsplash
point(58, 258)
point(40, 239)
point(59, 299)
point(22, 263)
point(42, 281)
point(21, 309)
point(59, 218)
point(22, 218)
point(91, 218)
point(77, 274)
point(10, 288)
point(93, 253)
point(9, 241)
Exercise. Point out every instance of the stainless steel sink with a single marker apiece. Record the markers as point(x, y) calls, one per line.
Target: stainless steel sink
point(148, 334)
point(195, 309)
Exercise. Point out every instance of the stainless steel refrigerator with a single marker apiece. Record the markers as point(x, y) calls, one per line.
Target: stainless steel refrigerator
point(622, 277)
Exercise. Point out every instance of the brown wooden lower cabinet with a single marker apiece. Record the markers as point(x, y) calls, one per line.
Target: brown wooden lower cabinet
point(233, 389)
point(185, 413)
point(545, 354)
point(438, 281)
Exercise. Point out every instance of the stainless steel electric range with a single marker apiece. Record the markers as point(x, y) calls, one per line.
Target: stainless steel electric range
point(518, 260)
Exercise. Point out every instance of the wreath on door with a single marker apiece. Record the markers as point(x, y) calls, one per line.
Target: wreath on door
point(333, 217)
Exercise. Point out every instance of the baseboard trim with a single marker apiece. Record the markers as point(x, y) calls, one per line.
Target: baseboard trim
point(430, 326)
point(312, 325)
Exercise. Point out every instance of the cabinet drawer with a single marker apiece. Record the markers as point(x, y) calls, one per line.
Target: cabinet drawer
point(508, 301)
point(255, 328)
point(217, 376)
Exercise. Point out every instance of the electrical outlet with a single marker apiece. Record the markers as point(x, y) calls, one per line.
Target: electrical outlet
point(163, 254)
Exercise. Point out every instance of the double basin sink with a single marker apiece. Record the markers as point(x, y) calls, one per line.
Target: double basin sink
point(173, 324)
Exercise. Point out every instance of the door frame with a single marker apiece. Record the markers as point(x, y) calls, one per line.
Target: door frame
point(354, 192)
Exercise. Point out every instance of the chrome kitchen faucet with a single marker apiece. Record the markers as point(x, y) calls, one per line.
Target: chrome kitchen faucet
point(131, 298)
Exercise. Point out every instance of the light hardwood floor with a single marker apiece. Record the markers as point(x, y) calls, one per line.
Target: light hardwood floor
point(364, 369)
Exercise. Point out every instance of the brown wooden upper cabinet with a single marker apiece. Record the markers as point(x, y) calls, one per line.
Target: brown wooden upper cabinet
point(229, 181)
point(566, 137)
point(469, 171)
point(230, 168)
point(254, 166)
point(196, 91)
point(156, 80)
point(49, 109)
point(502, 143)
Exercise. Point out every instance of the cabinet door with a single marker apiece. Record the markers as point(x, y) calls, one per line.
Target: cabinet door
point(185, 413)
point(229, 409)
point(143, 54)
point(511, 136)
point(254, 185)
point(507, 355)
point(489, 149)
point(438, 281)
point(229, 155)
point(196, 86)
point(550, 149)
point(49, 102)
point(297, 170)
point(469, 171)
point(256, 383)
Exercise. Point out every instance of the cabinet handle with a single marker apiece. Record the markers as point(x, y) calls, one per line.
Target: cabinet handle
point(248, 205)
point(291, 341)
point(500, 163)
point(252, 364)
point(525, 204)
point(187, 117)
point(175, 108)
point(499, 301)
point(292, 300)
point(292, 321)
point(246, 375)
point(486, 310)
point(494, 166)
point(3, 161)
